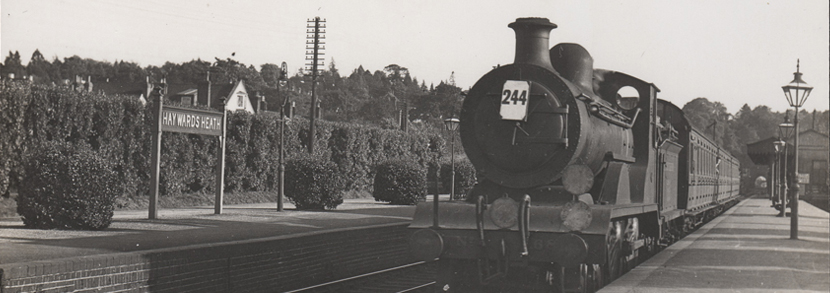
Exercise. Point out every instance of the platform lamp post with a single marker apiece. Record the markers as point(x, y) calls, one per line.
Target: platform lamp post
point(796, 93)
point(452, 125)
point(785, 132)
point(282, 82)
point(775, 165)
point(777, 170)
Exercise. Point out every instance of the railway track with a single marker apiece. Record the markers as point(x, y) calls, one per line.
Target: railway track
point(416, 277)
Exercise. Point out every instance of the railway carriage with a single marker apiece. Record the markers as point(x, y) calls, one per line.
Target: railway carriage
point(708, 176)
point(582, 172)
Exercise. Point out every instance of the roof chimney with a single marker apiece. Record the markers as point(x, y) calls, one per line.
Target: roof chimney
point(813, 126)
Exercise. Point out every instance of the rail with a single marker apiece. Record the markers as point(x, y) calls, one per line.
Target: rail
point(408, 288)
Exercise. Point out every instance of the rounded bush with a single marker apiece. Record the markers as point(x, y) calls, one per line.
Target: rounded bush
point(313, 184)
point(400, 182)
point(67, 187)
point(465, 176)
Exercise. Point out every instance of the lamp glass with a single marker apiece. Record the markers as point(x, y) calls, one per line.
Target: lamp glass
point(451, 123)
point(797, 90)
point(786, 130)
point(778, 145)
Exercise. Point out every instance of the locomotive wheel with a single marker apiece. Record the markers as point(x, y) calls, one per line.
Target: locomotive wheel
point(585, 278)
point(613, 266)
point(591, 277)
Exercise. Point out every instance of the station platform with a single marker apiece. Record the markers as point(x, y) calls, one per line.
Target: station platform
point(746, 249)
point(132, 231)
point(247, 248)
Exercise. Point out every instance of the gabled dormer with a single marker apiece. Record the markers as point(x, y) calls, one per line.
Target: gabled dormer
point(238, 99)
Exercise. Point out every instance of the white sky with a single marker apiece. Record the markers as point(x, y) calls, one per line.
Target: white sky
point(734, 52)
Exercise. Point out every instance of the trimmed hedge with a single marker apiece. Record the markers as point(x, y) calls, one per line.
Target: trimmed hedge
point(313, 184)
point(400, 182)
point(465, 176)
point(118, 128)
point(67, 187)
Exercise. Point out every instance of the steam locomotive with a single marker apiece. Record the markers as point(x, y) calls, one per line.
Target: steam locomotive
point(582, 173)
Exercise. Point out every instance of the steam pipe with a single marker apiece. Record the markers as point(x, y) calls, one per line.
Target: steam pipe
point(524, 222)
point(480, 219)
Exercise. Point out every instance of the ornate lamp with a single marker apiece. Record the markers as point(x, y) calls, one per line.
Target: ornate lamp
point(785, 132)
point(796, 93)
point(452, 125)
point(797, 90)
point(778, 187)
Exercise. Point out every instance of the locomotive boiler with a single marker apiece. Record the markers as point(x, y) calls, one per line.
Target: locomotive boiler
point(578, 176)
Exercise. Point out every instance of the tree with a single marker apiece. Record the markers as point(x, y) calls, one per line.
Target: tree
point(13, 65)
point(395, 72)
point(432, 107)
point(128, 72)
point(229, 71)
point(270, 74)
point(707, 117)
point(41, 69)
point(192, 72)
point(73, 66)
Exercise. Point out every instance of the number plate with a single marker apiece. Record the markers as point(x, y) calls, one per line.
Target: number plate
point(514, 99)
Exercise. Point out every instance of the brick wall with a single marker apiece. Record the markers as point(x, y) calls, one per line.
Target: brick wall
point(265, 265)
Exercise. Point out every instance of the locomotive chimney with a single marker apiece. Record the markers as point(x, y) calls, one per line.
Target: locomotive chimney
point(532, 35)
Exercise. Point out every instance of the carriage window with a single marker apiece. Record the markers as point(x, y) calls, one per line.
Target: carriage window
point(695, 167)
point(706, 163)
point(709, 163)
point(697, 161)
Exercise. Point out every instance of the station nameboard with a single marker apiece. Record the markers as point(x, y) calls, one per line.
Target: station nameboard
point(177, 119)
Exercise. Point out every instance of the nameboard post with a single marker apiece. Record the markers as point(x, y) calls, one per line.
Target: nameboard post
point(154, 190)
point(186, 120)
point(220, 172)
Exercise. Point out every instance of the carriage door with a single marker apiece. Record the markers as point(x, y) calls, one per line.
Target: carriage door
point(667, 174)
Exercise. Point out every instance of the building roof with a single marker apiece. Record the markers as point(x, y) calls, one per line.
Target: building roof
point(813, 131)
point(121, 88)
point(180, 89)
point(191, 91)
point(762, 152)
point(220, 91)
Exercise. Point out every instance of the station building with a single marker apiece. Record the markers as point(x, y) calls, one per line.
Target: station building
point(813, 157)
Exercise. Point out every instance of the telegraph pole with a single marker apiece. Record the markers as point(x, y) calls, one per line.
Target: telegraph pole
point(316, 30)
point(283, 80)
